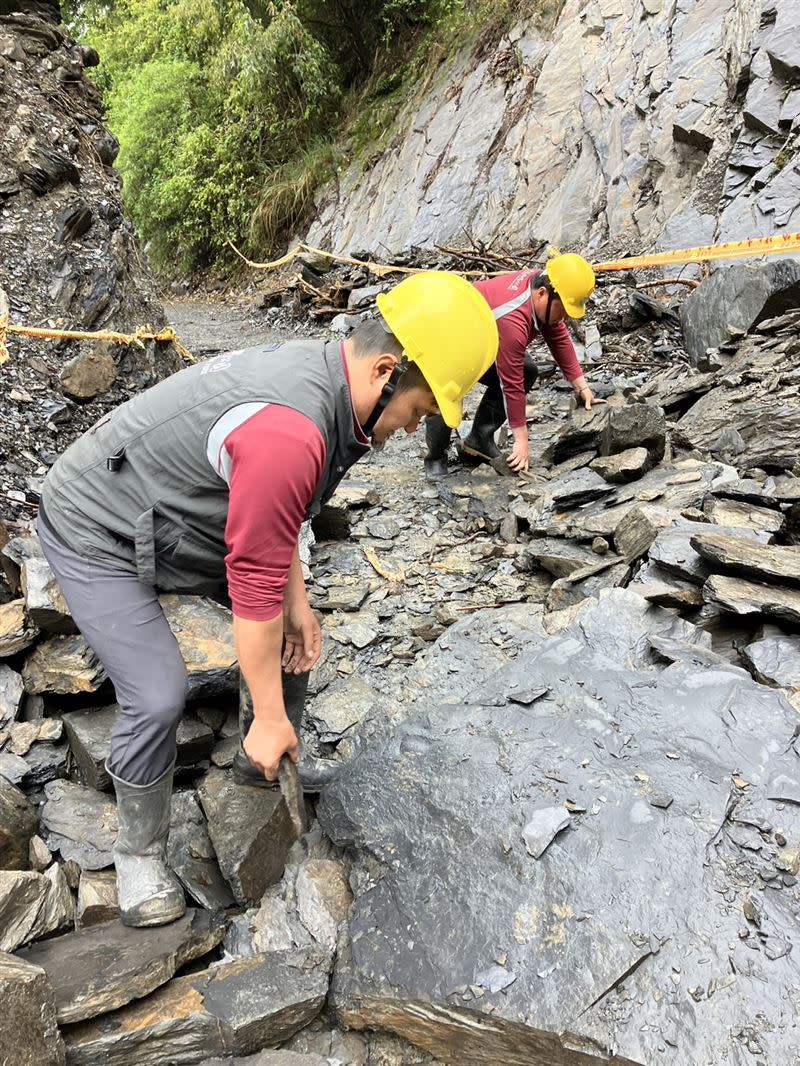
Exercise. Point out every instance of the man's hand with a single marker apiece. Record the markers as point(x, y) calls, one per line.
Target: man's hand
point(586, 398)
point(266, 742)
point(303, 637)
point(518, 460)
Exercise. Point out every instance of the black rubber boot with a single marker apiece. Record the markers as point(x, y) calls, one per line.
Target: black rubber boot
point(437, 436)
point(479, 442)
point(149, 892)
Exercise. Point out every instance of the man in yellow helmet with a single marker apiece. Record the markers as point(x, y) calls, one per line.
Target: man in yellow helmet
point(201, 484)
point(525, 304)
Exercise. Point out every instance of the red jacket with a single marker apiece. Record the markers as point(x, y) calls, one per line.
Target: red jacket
point(509, 298)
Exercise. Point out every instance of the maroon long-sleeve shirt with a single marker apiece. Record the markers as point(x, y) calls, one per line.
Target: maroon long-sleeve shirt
point(508, 295)
point(272, 458)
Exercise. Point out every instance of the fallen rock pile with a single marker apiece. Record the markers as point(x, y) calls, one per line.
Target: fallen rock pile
point(591, 669)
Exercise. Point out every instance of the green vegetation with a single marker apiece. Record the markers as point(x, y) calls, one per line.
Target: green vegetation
point(232, 113)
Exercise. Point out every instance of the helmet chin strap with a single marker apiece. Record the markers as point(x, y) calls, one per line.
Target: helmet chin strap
point(386, 394)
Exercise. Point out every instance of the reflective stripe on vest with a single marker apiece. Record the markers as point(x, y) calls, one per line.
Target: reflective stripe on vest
point(512, 305)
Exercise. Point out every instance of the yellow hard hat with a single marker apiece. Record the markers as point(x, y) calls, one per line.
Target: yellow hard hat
point(447, 328)
point(573, 282)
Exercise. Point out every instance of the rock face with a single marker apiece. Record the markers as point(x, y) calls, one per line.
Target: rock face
point(623, 152)
point(68, 255)
point(487, 943)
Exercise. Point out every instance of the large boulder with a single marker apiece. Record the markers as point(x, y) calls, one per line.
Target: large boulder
point(490, 931)
point(734, 300)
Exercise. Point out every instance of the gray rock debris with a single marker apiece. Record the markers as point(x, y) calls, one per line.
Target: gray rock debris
point(16, 633)
point(64, 665)
point(673, 549)
point(11, 693)
point(659, 769)
point(738, 596)
point(97, 898)
point(81, 823)
point(191, 854)
point(89, 735)
point(774, 658)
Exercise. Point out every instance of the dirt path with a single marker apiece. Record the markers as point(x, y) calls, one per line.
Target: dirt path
point(207, 327)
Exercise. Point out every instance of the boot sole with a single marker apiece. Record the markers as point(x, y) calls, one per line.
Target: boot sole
point(134, 922)
point(475, 454)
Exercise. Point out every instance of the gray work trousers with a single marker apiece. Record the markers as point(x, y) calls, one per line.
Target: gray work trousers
point(124, 625)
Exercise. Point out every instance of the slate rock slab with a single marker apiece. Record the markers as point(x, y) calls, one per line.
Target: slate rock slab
point(672, 549)
point(626, 465)
point(774, 658)
point(540, 830)
point(572, 490)
point(738, 513)
point(341, 706)
point(637, 530)
point(558, 557)
point(637, 892)
point(758, 396)
point(16, 633)
point(234, 1008)
point(12, 692)
point(96, 970)
point(191, 854)
point(637, 425)
point(44, 600)
point(738, 596)
point(762, 562)
point(81, 823)
point(64, 665)
point(583, 432)
point(18, 824)
point(33, 905)
point(251, 831)
point(29, 1034)
point(204, 632)
point(98, 900)
point(89, 733)
point(738, 297)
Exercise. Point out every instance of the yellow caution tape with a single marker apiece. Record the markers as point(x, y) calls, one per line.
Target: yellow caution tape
point(777, 245)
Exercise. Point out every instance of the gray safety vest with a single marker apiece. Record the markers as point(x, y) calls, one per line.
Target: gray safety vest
point(140, 491)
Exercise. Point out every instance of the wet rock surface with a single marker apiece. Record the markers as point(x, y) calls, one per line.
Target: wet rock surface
point(451, 796)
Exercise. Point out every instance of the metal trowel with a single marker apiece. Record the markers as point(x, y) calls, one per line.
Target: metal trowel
point(292, 792)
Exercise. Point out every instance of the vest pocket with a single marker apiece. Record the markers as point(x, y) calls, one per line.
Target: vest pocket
point(201, 556)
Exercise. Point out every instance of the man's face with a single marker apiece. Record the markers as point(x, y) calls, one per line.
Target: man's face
point(539, 298)
point(405, 410)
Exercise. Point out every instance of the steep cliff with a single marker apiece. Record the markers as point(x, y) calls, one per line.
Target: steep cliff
point(636, 124)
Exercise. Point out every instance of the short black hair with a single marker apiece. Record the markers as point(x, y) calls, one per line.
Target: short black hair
point(540, 280)
point(373, 338)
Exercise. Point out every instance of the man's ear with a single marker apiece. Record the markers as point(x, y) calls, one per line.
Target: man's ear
point(383, 366)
